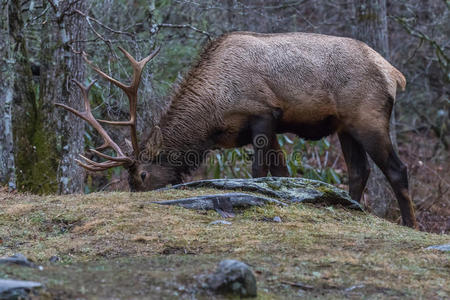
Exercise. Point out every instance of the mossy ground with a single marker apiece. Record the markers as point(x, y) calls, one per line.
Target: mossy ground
point(123, 246)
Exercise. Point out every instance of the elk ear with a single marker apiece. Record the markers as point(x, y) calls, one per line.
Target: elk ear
point(154, 142)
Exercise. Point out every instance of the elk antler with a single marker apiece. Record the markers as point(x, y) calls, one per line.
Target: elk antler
point(86, 115)
point(132, 92)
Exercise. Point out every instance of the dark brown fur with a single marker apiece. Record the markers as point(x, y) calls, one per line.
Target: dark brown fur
point(249, 84)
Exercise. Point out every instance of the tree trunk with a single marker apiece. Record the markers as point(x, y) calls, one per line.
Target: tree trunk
point(7, 167)
point(371, 28)
point(371, 24)
point(59, 65)
point(46, 140)
point(31, 174)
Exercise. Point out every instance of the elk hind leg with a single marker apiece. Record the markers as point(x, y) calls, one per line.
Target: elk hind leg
point(377, 143)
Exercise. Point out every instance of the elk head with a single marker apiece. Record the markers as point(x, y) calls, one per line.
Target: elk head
point(142, 175)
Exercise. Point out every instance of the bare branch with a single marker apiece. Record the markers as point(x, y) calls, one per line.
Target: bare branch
point(157, 27)
point(103, 25)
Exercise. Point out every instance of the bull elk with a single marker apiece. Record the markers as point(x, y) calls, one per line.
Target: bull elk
point(248, 84)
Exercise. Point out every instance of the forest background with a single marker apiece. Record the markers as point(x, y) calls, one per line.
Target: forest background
point(40, 52)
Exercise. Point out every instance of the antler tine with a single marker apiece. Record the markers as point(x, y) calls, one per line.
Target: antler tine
point(95, 168)
point(105, 164)
point(87, 107)
point(108, 157)
point(85, 91)
point(104, 75)
point(130, 90)
point(87, 167)
point(138, 66)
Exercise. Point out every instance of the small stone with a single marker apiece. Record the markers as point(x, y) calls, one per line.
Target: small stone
point(443, 248)
point(233, 277)
point(220, 222)
point(354, 287)
point(54, 259)
point(277, 219)
point(17, 289)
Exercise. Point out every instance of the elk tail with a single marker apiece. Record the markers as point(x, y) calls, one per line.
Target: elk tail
point(401, 80)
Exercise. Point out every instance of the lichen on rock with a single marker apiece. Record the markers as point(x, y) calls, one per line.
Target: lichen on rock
point(288, 190)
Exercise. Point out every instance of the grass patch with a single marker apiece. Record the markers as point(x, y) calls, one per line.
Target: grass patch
point(139, 248)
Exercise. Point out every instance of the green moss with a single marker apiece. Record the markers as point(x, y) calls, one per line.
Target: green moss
point(274, 185)
point(327, 191)
point(36, 160)
point(364, 17)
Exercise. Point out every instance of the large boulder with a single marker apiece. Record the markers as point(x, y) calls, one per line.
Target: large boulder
point(233, 277)
point(279, 190)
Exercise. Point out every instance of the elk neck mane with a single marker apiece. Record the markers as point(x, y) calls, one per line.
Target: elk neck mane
point(193, 113)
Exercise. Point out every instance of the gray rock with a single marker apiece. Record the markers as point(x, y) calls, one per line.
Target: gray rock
point(233, 277)
point(288, 189)
point(17, 259)
point(277, 219)
point(443, 248)
point(17, 289)
point(209, 202)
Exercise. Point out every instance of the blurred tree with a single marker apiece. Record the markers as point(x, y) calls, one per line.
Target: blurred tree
point(46, 141)
point(24, 108)
point(7, 168)
point(40, 57)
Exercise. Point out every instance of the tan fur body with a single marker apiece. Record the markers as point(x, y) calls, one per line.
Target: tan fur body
point(309, 77)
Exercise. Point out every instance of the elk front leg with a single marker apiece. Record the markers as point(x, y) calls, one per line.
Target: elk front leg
point(267, 150)
point(277, 160)
point(357, 165)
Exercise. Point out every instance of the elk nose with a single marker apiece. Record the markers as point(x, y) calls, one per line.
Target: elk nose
point(143, 175)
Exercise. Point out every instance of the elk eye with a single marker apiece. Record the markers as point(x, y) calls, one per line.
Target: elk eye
point(143, 175)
